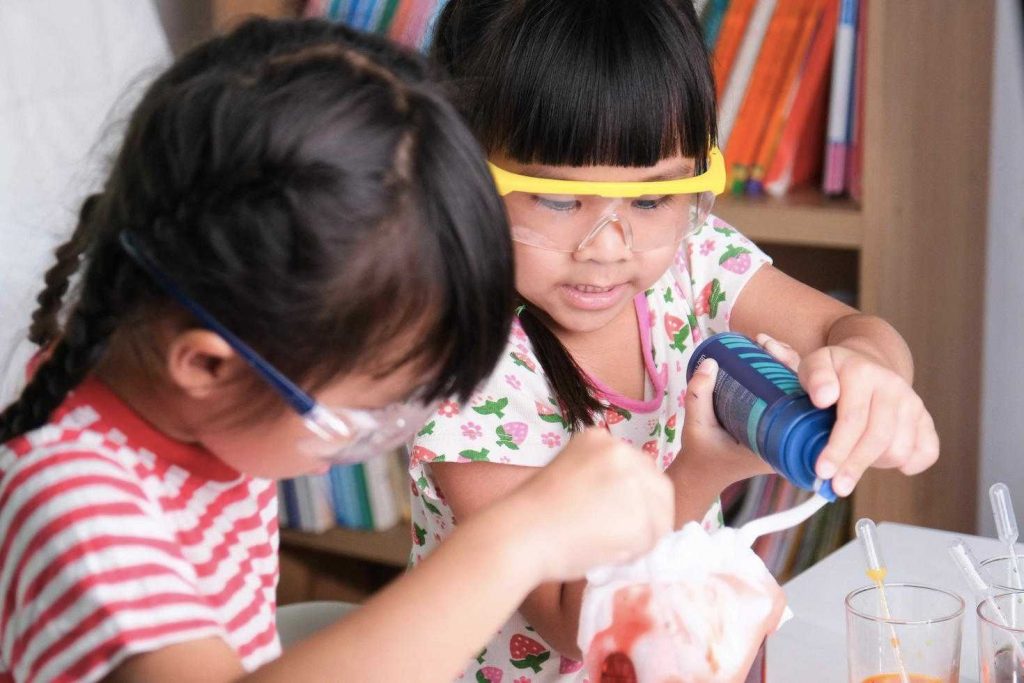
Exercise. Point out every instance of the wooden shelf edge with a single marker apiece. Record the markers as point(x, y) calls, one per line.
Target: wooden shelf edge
point(389, 547)
point(805, 218)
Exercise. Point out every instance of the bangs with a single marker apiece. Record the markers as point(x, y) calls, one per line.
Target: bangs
point(589, 82)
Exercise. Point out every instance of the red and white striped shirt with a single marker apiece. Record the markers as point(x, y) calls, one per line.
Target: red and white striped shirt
point(116, 539)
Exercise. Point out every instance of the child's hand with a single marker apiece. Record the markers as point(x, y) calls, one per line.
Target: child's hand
point(709, 454)
point(600, 501)
point(881, 422)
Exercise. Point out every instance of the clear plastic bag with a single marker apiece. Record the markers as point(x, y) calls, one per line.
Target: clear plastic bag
point(695, 610)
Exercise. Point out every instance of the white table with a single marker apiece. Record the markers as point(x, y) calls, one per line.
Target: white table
point(811, 647)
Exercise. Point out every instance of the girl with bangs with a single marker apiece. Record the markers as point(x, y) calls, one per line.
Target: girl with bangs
point(598, 119)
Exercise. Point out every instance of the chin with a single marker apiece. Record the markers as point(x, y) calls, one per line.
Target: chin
point(584, 322)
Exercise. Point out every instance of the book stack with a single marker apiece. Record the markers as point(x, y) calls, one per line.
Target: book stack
point(409, 22)
point(371, 496)
point(789, 552)
point(789, 78)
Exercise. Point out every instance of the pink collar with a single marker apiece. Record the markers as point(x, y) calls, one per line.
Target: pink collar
point(658, 379)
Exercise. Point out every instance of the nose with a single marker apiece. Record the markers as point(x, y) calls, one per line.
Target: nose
point(610, 241)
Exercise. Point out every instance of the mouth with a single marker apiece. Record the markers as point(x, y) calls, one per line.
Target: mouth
point(593, 289)
point(594, 297)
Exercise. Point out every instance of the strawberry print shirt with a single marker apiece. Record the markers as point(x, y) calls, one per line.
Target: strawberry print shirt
point(513, 418)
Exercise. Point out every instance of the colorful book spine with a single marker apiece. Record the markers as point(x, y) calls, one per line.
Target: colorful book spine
point(746, 58)
point(363, 496)
point(323, 506)
point(387, 16)
point(763, 90)
point(855, 159)
point(283, 520)
point(838, 141)
point(712, 19)
point(380, 492)
point(345, 492)
point(788, 88)
point(401, 484)
point(734, 25)
point(800, 147)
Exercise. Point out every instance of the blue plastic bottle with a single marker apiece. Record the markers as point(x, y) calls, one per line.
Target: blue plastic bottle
point(761, 403)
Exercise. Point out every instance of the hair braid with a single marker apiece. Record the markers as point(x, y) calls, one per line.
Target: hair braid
point(84, 339)
point(45, 319)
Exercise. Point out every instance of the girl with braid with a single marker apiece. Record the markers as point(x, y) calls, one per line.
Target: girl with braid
point(297, 250)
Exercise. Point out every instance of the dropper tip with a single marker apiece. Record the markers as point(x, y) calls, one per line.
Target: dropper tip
point(867, 532)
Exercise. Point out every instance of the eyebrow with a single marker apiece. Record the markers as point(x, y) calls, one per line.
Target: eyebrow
point(674, 173)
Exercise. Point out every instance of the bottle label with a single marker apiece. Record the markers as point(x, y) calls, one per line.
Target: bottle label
point(749, 382)
point(738, 410)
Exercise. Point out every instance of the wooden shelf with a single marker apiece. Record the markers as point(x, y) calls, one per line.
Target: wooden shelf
point(803, 218)
point(386, 547)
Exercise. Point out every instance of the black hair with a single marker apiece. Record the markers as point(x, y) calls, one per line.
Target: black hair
point(311, 187)
point(579, 83)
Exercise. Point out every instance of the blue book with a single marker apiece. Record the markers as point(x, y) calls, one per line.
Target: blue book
point(291, 503)
point(345, 493)
point(713, 15)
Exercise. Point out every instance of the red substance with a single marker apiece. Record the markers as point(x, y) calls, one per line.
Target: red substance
point(617, 668)
point(630, 621)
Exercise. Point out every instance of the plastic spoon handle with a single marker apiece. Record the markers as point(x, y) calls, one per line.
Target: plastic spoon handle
point(786, 519)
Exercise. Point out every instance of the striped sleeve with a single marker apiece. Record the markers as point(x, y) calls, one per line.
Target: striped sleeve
point(91, 571)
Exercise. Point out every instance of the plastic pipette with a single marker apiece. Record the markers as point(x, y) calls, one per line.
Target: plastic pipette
point(1006, 527)
point(867, 533)
point(972, 571)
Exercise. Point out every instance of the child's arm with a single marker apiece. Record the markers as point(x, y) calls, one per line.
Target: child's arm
point(597, 503)
point(553, 608)
point(710, 459)
point(844, 357)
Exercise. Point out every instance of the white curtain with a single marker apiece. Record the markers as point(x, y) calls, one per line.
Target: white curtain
point(70, 71)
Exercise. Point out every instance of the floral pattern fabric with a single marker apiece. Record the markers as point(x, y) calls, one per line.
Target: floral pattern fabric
point(513, 418)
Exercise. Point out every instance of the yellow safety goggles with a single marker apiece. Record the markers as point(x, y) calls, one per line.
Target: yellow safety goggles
point(569, 215)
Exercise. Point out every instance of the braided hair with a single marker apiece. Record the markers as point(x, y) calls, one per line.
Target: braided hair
point(310, 187)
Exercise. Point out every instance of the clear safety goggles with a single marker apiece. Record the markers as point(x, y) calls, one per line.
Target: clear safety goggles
point(569, 215)
point(339, 435)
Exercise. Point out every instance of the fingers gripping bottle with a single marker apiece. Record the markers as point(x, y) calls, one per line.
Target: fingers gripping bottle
point(760, 402)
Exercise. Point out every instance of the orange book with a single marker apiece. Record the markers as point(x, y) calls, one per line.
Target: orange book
point(786, 93)
point(800, 148)
point(403, 16)
point(734, 25)
point(776, 52)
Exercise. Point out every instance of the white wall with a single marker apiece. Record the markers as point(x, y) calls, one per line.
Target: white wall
point(69, 71)
point(1002, 423)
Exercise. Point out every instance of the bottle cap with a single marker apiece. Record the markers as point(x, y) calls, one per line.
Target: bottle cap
point(792, 437)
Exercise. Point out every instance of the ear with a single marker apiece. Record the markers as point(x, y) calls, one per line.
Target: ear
point(200, 362)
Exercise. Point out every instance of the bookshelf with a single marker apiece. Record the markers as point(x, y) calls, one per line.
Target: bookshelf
point(804, 217)
point(913, 250)
point(390, 548)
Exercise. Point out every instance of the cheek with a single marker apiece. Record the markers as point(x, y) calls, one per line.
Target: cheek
point(654, 264)
point(536, 270)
